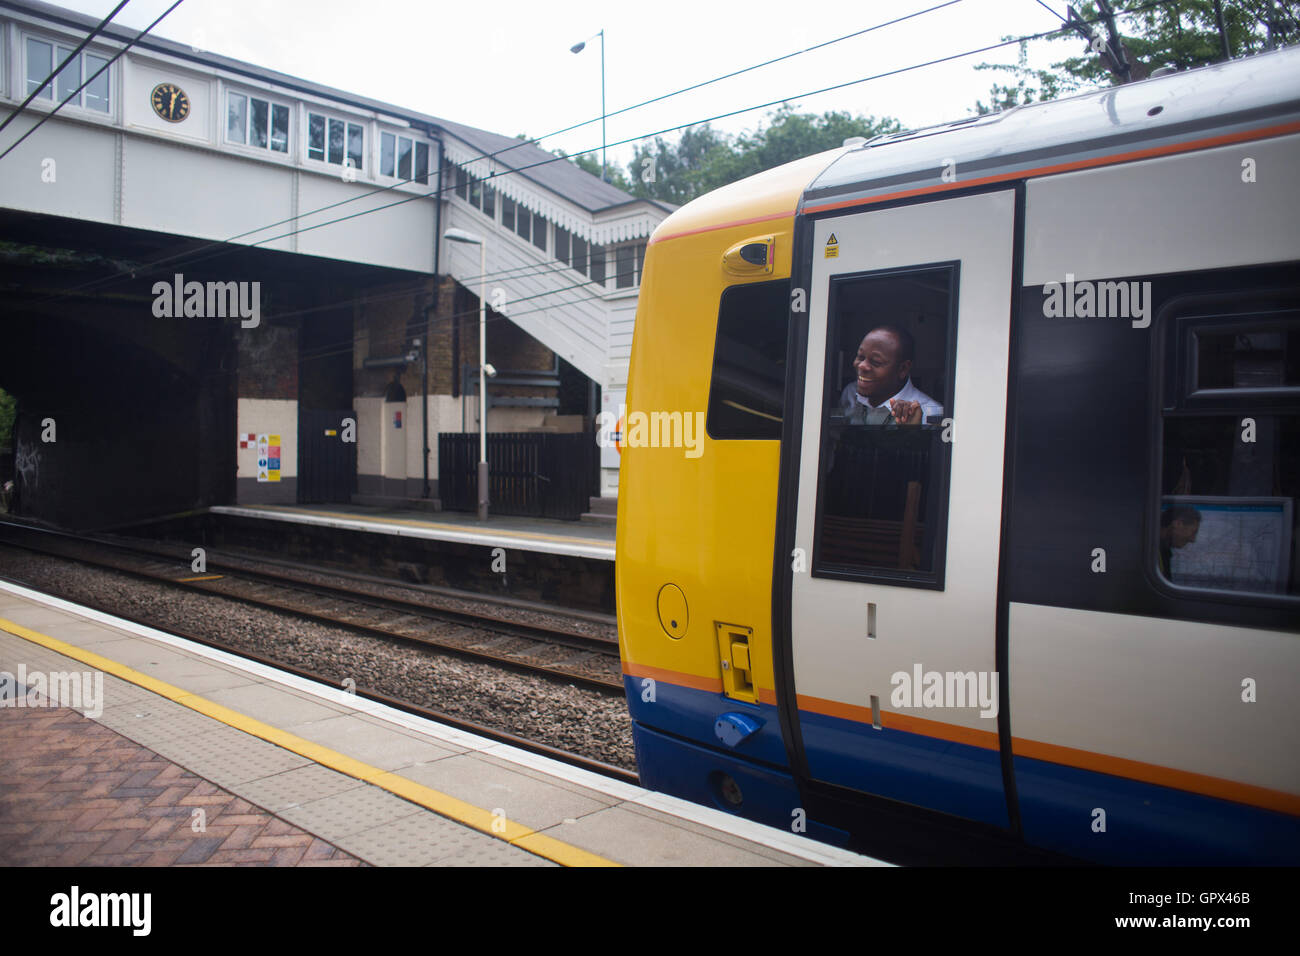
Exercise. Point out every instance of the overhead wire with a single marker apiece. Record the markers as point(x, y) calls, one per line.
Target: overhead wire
point(437, 193)
point(116, 56)
point(32, 96)
point(877, 76)
point(748, 109)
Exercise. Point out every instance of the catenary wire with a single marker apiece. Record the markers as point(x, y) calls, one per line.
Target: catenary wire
point(182, 256)
point(62, 66)
point(132, 42)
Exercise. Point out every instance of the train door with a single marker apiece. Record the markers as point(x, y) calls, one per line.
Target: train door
point(899, 509)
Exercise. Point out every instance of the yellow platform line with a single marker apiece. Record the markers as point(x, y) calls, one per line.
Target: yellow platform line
point(440, 803)
point(201, 577)
point(463, 529)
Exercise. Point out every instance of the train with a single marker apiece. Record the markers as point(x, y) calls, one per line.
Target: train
point(992, 529)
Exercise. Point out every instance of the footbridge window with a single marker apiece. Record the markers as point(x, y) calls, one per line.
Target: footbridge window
point(252, 121)
point(404, 158)
point(43, 56)
point(331, 140)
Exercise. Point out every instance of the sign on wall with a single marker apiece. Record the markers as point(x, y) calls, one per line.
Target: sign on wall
point(268, 454)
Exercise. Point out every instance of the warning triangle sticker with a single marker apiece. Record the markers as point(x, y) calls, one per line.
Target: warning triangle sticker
point(832, 241)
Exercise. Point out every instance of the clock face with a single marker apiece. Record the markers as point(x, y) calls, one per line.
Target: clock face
point(170, 102)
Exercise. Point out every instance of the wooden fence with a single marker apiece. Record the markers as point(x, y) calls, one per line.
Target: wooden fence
point(537, 474)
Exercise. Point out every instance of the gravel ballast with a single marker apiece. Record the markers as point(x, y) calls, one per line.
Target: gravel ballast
point(550, 712)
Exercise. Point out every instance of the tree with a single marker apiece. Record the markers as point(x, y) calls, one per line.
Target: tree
point(679, 172)
point(703, 158)
point(590, 162)
point(1032, 85)
point(1180, 35)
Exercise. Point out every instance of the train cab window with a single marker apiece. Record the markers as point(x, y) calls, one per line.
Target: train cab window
point(885, 451)
point(1230, 449)
point(747, 389)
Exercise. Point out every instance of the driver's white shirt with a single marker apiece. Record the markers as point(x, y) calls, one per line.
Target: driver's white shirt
point(909, 392)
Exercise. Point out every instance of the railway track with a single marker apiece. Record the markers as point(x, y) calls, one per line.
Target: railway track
point(8, 531)
point(554, 651)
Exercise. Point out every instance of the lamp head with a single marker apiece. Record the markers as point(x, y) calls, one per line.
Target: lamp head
point(460, 235)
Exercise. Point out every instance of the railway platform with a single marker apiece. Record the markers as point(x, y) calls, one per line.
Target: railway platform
point(113, 734)
point(542, 535)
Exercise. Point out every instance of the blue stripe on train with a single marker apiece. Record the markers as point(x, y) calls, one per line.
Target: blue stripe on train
point(684, 712)
point(694, 773)
point(939, 774)
point(1146, 824)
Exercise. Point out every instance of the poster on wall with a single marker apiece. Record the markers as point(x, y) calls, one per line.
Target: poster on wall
point(268, 457)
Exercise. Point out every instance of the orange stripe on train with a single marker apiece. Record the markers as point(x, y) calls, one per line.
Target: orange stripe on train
point(1186, 780)
point(1110, 159)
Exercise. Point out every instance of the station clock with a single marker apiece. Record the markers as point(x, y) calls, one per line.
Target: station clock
point(170, 102)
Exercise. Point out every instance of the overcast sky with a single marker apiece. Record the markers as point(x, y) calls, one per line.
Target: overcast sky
point(505, 66)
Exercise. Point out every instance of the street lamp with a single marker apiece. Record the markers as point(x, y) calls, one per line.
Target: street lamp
point(578, 48)
point(460, 235)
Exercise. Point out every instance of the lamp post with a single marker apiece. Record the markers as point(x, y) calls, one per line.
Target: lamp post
point(460, 235)
point(578, 48)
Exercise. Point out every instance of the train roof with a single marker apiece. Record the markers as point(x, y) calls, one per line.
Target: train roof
point(1213, 105)
point(1236, 100)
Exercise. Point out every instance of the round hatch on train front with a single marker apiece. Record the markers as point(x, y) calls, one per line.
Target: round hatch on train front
point(673, 613)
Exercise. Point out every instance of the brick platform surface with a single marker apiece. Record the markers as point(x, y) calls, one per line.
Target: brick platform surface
point(74, 793)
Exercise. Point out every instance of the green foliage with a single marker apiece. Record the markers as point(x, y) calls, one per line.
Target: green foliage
point(1181, 34)
point(8, 409)
point(1031, 86)
point(590, 163)
point(704, 158)
point(613, 175)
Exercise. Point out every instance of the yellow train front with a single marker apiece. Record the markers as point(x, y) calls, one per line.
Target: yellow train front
point(988, 612)
point(696, 517)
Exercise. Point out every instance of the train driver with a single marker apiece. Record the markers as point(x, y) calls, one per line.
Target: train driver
point(883, 391)
point(1178, 528)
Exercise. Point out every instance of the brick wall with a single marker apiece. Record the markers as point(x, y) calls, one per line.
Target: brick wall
point(268, 360)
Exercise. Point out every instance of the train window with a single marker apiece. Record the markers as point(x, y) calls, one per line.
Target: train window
point(1230, 448)
point(747, 389)
point(1250, 357)
point(883, 495)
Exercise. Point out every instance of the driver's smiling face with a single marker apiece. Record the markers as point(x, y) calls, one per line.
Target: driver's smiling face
point(880, 374)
